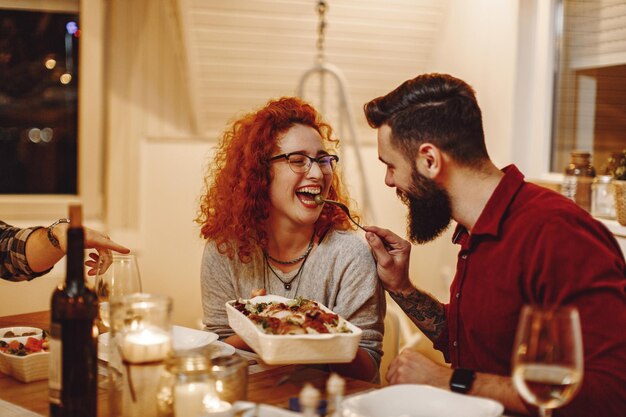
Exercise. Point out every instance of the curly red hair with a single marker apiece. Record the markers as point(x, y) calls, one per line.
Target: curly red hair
point(235, 206)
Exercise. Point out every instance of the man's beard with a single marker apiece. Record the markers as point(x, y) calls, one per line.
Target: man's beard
point(430, 212)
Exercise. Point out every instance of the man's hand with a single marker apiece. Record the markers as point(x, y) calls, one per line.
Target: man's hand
point(411, 367)
point(93, 240)
point(392, 255)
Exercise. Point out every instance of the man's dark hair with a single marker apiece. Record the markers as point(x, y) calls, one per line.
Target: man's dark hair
point(434, 108)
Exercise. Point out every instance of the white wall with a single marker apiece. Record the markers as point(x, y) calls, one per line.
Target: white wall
point(170, 246)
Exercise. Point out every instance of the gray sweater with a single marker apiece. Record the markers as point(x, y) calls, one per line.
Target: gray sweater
point(340, 273)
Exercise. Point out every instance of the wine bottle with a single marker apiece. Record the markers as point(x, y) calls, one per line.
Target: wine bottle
point(73, 372)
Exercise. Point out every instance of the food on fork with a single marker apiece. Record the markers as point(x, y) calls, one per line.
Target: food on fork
point(297, 316)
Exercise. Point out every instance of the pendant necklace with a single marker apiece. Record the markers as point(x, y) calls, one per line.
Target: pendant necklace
point(304, 257)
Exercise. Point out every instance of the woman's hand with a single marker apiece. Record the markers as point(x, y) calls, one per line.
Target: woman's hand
point(258, 292)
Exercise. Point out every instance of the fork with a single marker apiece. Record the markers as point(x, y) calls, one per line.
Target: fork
point(319, 200)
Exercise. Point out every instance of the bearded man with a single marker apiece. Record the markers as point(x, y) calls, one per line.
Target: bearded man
point(519, 244)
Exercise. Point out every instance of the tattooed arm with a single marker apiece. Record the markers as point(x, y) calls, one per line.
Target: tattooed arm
point(393, 271)
point(424, 310)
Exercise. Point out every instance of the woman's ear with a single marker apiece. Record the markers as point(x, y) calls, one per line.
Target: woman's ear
point(429, 160)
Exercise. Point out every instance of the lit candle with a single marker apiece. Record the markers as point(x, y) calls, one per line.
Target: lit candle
point(146, 345)
point(188, 399)
point(214, 407)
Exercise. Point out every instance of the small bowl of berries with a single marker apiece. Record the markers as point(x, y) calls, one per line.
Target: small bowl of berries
point(24, 353)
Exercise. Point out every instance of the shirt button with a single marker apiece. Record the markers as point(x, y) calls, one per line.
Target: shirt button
point(454, 343)
point(458, 294)
point(464, 256)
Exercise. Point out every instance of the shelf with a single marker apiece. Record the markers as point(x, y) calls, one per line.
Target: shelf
point(615, 228)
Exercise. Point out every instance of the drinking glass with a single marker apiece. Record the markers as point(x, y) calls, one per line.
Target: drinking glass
point(117, 275)
point(548, 357)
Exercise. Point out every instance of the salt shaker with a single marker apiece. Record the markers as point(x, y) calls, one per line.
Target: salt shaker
point(335, 387)
point(309, 400)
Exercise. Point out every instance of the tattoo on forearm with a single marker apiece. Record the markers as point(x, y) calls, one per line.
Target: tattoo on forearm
point(426, 312)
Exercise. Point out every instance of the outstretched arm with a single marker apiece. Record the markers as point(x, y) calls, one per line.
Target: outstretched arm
point(41, 254)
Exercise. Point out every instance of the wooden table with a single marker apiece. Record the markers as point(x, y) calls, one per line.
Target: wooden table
point(274, 386)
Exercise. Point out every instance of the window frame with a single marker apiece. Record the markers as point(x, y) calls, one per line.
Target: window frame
point(90, 118)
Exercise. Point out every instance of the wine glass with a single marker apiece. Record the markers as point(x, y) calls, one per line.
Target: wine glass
point(117, 275)
point(548, 357)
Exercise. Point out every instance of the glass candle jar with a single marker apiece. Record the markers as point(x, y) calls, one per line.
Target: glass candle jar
point(193, 384)
point(140, 342)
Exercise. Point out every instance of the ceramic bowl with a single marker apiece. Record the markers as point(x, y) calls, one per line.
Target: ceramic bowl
point(298, 348)
point(18, 332)
point(32, 367)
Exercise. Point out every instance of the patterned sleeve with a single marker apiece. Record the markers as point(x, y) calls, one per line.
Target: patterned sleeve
point(13, 263)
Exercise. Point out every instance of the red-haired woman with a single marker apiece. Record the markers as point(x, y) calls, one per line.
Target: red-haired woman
point(265, 231)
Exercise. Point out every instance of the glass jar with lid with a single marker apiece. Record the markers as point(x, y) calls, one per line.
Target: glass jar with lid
point(193, 383)
point(185, 375)
point(579, 175)
point(603, 197)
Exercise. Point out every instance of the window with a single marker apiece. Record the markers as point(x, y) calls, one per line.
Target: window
point(73, 173)
point(590, 85)
point(38, 102)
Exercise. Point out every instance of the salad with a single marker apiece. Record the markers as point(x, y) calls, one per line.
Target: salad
point(296, 316)
point(32, 345)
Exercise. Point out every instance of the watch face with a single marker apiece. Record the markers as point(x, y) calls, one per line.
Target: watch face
point(462, 380)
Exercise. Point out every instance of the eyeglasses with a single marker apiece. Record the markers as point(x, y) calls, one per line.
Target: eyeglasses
point(300, 163)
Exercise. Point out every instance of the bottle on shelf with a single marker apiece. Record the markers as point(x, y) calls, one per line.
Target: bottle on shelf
point(603, 197)
point(73, 334)
point(579, 175)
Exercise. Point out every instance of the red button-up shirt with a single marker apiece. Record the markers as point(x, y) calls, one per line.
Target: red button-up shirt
point(530, 245)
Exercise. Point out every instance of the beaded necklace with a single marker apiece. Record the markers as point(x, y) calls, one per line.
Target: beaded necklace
point(303, 258)
point(292, 261)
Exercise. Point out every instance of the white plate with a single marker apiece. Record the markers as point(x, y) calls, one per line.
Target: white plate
point(221, 349)
point(184, 338)
point(266, 410)
point(297, 348)
point(419, 401)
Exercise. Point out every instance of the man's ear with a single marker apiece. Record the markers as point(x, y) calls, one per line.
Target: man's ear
point(429, 160)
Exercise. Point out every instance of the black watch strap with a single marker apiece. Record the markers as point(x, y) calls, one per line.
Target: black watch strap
point(462, 380)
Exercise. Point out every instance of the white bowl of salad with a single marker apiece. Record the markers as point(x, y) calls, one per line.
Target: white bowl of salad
point(288, 331)
point(24, 353)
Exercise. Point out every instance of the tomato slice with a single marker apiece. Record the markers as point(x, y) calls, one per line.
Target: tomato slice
point(33, 345)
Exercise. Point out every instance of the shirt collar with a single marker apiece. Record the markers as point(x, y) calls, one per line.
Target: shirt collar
point(489, 221)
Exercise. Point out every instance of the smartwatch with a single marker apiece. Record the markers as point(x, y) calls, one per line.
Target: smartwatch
point(462, 380)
